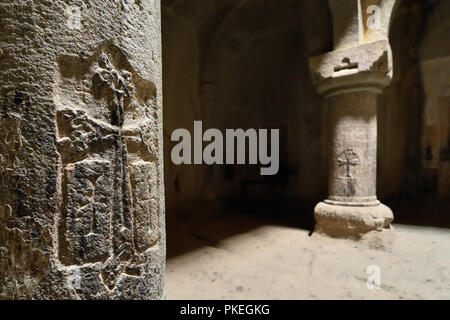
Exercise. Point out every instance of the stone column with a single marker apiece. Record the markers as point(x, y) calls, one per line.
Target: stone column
point(350, 80)
point(81, 199)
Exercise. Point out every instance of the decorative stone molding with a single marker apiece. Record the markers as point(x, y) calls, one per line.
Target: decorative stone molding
point(366, 65)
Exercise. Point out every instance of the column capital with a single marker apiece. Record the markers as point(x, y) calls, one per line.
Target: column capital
point(363, 67)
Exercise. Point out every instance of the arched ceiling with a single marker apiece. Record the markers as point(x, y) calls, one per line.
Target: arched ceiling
point(238, 25)
point(231, 28)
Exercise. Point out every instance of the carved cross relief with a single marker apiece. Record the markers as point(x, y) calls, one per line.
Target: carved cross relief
point(347, 160)
point(109, 210)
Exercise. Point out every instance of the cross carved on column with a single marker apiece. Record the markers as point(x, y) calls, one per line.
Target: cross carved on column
point(348, 158)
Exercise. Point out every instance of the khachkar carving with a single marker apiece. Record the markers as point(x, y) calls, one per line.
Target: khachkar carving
point(348, 161)
point(350, 78)
point(109, 200)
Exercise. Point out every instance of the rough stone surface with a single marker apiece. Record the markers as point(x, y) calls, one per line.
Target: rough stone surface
point(81, 201)
point(352, 222)
point(353, 146)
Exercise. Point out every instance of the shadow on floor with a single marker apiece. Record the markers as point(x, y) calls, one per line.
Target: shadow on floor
point(209, 226)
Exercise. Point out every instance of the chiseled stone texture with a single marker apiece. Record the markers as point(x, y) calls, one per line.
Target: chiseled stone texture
point(81, 199)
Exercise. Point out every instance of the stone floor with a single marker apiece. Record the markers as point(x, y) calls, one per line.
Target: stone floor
point(245, 257)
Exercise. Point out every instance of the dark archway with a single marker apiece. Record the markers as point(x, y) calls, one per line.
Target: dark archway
point(244, 64)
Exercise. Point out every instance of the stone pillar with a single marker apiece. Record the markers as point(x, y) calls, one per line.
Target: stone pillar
point(350, 80)
point(81, 199)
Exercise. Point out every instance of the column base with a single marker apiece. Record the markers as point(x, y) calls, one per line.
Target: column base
point(351, 221)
